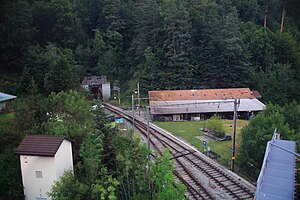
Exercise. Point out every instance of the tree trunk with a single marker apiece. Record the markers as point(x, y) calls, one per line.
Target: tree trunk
point(266, 13)
point(282, 18)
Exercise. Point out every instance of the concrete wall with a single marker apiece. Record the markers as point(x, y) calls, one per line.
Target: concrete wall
point(106, 93)
point(63, 158)
point(37, 187)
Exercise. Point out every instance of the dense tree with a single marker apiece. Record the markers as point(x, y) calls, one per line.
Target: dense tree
point(177, 45)
point(69, 115)
point(31, 111)
point(256, 135)
point(164, 179)
point(61, 75)
point(68, 188)
point(164, 45)
point(10, 179)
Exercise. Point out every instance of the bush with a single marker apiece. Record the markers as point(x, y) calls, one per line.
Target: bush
point(215, 125)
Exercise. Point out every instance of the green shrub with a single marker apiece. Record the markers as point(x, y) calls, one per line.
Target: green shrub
point(215, 125)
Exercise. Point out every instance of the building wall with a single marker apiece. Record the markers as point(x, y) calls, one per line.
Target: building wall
point(63, 158)
point(37, 187)
point(2, 105)
point(106, 93)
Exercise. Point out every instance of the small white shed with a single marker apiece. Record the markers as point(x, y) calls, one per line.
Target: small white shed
point(43, 159)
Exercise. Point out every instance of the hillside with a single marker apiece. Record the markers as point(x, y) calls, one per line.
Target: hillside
point(162, 44)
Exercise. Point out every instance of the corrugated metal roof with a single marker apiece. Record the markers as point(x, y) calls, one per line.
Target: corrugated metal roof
point(40, 145)
point(6, 97)
point(212, 94)
point(277, 178)
point(204, 106)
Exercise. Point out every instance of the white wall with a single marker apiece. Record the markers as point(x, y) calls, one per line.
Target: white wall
point(37, 187)
point(52, 168)
point(63, 158)
point(106, 93)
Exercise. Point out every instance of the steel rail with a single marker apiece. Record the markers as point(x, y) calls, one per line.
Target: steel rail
point(229, 185)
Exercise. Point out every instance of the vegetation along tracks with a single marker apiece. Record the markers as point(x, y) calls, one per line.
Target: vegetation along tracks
point(204, 178)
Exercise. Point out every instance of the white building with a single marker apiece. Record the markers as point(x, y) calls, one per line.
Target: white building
point(43, 160)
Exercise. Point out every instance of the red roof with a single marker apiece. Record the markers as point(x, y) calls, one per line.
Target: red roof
point(207, 94)
point(40, 145)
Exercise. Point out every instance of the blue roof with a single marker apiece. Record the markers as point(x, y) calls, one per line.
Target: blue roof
point(277, 177)
point(6, 97)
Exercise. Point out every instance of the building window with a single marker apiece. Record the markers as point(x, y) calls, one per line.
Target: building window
point(38, 174)
point(40, 198)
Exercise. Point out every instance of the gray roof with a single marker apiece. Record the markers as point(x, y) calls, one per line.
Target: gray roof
point(94, 80)
point(277, 177)
point(204, 106)
point(6, 97)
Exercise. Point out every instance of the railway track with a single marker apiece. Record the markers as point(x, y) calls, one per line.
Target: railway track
point(204, 178)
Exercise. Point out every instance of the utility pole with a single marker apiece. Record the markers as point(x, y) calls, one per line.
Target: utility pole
point(234, 132)
point(119, 96)
point(148, 136)
point(139, 99)
point(132, 107)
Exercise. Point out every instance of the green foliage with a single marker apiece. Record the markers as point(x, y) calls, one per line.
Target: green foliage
point(31, 111)
point(131, 167)
point(10, 176)
point(52, 69)
point(61, 75)
point(163, 44)
point(10, 137)
point(273, 84)
point(162, 173)
point(291, 113)
point(215, 125)
point(10, 172)
point(68, 188)
point(70, 115)
point(256, 135)
point(90, 151)
point(105, 191)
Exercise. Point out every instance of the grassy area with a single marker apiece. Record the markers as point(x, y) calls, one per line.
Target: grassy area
point(189, 131)
point(6, 119)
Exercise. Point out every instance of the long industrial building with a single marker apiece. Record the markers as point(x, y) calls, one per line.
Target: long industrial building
point(179, 105)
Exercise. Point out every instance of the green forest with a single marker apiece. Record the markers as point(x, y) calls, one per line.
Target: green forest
point(165, 44)
point(48, 46)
